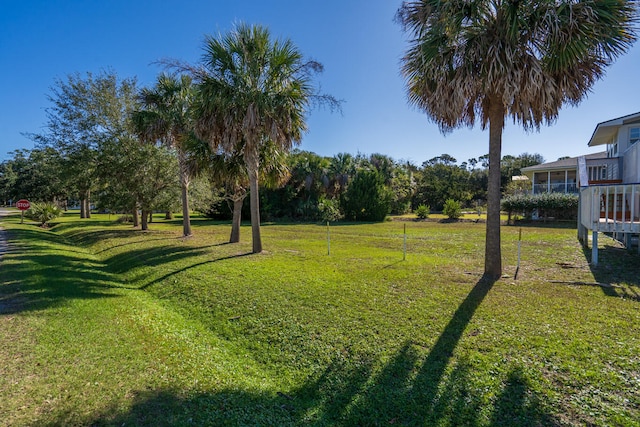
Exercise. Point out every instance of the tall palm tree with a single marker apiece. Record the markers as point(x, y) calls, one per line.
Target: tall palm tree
point(165, 118)
point(484, 60)
point(254, 91)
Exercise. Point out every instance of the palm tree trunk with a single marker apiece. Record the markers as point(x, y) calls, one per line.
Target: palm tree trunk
point(184, 184)
point(492, 254)
point(252, 160)
point(237, 219)
point(145, 217)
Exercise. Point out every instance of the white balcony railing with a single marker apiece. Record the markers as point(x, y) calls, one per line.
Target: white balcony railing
point(611, 208)
point(605, 169)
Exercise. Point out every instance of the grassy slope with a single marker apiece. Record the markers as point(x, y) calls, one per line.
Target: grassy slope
point(108, 325)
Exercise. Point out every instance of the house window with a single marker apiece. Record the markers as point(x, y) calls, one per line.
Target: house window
point(634, 135)
point(612, 150)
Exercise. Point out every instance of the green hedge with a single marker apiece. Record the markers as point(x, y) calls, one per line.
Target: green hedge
point(556, 205)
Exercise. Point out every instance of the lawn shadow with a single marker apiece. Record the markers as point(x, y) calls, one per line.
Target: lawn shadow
point(198, 264)
point(417, 386)
point(518, 405)
point(617, 267)
point(36, 238)
point(37, 278)
point(150, 257)
point(89, 237)
point(417, 390)
point(409, 388)
point(39, 281)
point(61, 227)
point(168, 408)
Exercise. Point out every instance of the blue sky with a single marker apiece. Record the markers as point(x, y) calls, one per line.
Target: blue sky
point(356, 40)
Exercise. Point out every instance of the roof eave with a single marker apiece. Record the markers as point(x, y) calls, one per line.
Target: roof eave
point(605, 131)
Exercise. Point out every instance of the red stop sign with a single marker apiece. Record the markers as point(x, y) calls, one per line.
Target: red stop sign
point(23, 204)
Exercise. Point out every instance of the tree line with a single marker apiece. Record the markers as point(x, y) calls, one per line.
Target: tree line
point(302, 185)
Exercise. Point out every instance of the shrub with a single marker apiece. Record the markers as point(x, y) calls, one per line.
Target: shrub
point(367, 198)
point(329, 210)
point(557, 205)
point(452, 209)
point(43, 212)
point(423, 211)
point(124, 219)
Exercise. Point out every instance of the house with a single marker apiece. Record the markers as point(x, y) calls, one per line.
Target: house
point(562, 176)
point(620, 136)
point(612, 205)
point(608, 182)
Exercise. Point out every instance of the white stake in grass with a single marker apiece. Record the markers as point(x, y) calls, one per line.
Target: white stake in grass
point(404, 245)
point(515, 276)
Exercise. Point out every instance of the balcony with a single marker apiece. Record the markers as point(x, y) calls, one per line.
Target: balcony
point(611, 208)
point(604, 170)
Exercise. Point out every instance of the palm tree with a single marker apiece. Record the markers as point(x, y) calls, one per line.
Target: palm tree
point(484, 60)
point(254, 91)
point(165, 118)
point(342, 168)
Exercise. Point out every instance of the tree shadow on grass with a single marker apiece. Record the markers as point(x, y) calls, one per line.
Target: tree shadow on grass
point(61, 227)
point(92, 236)
point(150, 257)
point(414, 390)
point(416, 387)
point(198, 264)
point(516, 405)
point(37, 238)
point(619, 268)
point(41, 281)
point(40, 270)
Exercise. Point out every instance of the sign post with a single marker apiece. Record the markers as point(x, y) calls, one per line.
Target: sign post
point(23, 205)
point(515, 276)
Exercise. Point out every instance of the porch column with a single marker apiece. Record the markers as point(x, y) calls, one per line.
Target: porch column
point(566, 181)
point(549, 182)
point(594, 249)
point(533, 184)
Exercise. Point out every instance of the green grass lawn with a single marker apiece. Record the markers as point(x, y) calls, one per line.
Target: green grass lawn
point(102, 324)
